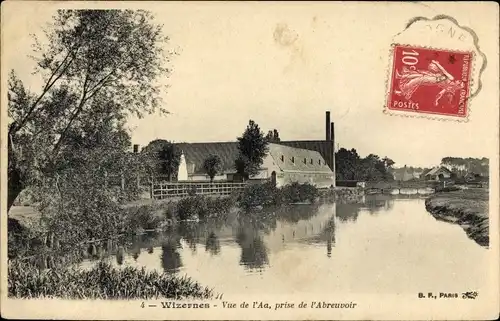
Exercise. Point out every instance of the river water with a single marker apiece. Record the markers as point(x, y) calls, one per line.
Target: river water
point(386, 244)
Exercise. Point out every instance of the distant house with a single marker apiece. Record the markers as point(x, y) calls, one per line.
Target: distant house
point(437, 173)
point(406, 174)
point(282, 164)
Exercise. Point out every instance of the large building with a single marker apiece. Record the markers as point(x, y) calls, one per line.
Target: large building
point(311, 161)
point(282, 164)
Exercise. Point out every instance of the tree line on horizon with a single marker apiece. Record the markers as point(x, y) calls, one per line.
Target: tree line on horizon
point(349, 165)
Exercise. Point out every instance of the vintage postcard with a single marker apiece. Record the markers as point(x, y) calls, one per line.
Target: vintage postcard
point(249, 160)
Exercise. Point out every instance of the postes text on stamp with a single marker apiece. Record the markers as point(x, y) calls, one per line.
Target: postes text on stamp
point(430, 81)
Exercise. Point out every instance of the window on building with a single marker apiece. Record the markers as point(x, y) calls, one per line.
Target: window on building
point(319, 161)
point(282, 158)
point(311, 161)
point(305, 160)
point(293, 159)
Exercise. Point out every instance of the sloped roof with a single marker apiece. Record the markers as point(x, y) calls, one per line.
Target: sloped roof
point(278, 151)
point(436, 169)
point(196, 153)
point(322, 146)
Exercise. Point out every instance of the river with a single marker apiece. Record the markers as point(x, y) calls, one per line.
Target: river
point(386, 244)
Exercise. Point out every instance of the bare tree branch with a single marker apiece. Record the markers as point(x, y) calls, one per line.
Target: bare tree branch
point(48, 85)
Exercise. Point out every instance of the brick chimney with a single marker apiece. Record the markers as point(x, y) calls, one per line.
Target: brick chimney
point(332, 137)
point(136, 148)
point(328, 133)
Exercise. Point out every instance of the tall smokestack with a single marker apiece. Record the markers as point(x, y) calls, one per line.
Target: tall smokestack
point(328, 133)
point(332, 133)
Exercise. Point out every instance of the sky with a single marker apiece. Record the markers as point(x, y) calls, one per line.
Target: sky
point(283, 66)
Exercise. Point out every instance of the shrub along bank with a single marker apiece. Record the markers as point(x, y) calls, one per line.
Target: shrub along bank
point(100, 282)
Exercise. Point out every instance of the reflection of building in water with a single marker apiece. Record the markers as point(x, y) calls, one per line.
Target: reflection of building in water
point(212, 244)
point(253, 249)
point(170, 257)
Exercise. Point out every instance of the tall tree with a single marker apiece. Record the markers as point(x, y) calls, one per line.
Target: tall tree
point(170, 158)
point(273, 136)
point(89, 61)
point(161, 157)
point(347, 164)
point(212, 165)
point(252, 146)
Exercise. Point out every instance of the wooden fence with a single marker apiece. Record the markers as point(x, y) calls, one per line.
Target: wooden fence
point(161, 190)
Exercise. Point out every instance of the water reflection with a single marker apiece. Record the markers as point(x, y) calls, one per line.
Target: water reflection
point(212, 244)
point(253, 250)
point(256, 234)
point(170, 256)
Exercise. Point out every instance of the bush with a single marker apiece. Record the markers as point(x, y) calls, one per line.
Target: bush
point(101, 282)
point(260, 195)
point(76, 208)
point(191, 208)
point(267, 195)
point(192, 191)
point(299, 193)
point(199, 207)
point(142, 217)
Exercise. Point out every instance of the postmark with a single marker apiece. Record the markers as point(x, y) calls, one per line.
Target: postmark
point(434, 70)
point(430, 81)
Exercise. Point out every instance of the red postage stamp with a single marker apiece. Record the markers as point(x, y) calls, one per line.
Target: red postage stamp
point(431, 81)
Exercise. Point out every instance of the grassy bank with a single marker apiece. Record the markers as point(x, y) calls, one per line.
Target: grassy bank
point(468, 208)
point(100, 282)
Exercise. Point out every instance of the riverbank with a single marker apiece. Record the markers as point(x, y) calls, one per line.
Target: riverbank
point(100, 282)
point(467, 208)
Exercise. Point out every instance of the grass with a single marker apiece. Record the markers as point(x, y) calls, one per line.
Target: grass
point(100, 282)
point(468, 208)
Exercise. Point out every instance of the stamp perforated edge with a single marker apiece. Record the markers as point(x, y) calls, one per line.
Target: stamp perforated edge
point(427, 115)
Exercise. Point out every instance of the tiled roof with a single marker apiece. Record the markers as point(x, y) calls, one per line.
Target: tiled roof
point(196, 153)
point(303, 159)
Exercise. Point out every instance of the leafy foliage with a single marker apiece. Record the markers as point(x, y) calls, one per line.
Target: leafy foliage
point(252, 150)
point(97, 66)
point(78, 208)
point(212, 165)
point(350, 166)
point(200, 208)
point(273, 136)
point(461, 166)
point(264, 195)
point(100, 282)
point(161, 157)
point(299, 193)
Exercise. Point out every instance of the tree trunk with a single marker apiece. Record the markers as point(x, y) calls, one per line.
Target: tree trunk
point(15, 186)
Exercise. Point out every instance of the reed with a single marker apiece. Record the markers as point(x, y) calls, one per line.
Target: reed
point(100, 282)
